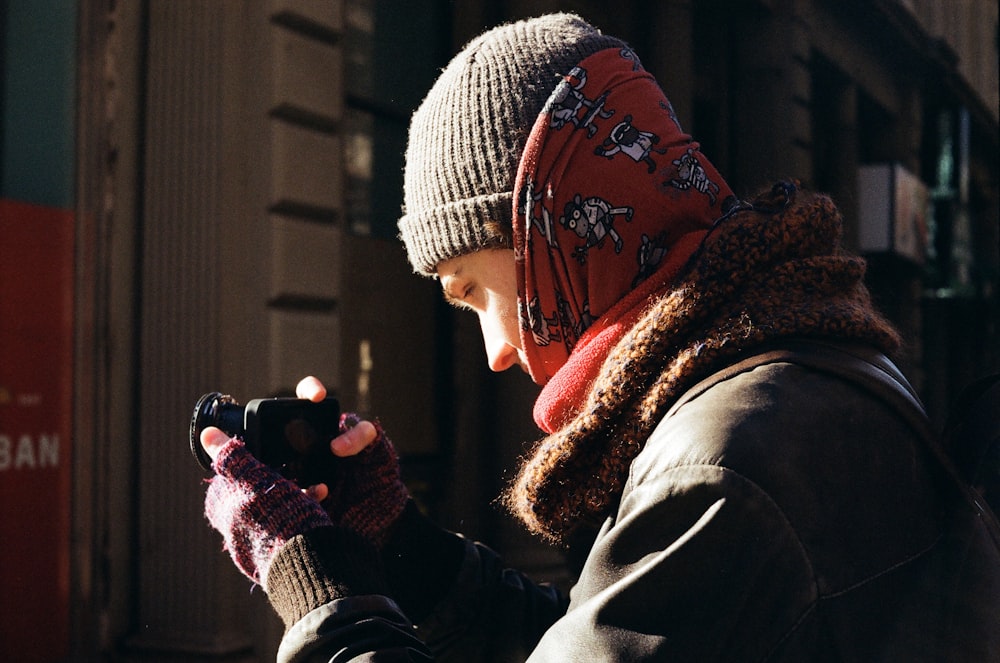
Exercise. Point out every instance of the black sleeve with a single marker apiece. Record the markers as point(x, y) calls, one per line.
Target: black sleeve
point(466, 604)
point(358, 629)
point(328, 586)
point(699, 565)
point(342, 601)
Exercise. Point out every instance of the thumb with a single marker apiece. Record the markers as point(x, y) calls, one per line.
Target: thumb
point(354, 439)
point(212, 440)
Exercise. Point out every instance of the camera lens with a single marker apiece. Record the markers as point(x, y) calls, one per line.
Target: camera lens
point(214, 409)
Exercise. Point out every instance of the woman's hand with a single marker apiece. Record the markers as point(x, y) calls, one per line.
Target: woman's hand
point(356, 439)
point(368, 494)
point(350, 443)
point(254, 508)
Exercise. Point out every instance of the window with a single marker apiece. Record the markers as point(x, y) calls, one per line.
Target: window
point(392, 55)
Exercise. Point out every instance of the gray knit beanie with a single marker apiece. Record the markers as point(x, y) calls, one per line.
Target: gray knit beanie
point(467, 136)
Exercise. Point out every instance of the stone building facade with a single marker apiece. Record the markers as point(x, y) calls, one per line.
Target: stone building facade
point(237, 186)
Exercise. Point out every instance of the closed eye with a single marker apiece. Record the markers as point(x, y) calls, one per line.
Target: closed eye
point(460, 300)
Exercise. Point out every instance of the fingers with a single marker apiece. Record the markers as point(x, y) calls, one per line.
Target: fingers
point(318, 492)
point(311, 389)
point(354, 440)
point(212, 440)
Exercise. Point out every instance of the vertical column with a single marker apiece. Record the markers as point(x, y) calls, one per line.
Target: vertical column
point(187, 600)
point(304, 196)
point(771, 99)
point(240, 276)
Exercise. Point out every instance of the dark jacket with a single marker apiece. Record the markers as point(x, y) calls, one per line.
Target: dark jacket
point(781, 514)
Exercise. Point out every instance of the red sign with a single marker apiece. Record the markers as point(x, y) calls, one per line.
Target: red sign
point(36, 384)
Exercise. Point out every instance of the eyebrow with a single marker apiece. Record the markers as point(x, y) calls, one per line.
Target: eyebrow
point(453, 301)
point(448, 297)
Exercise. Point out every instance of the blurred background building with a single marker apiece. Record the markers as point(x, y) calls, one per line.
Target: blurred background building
point(201, 195)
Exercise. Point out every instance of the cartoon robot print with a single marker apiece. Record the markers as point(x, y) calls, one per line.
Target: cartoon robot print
point(669, 108)
point(628, 139)
point(628, 54)
point(592, 219)
point(691, 174)
point(649, 256)
point(543, 223)
point(572, 327)
point(543, 330)
point(568, 100)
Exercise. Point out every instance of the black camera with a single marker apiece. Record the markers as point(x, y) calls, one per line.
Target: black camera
point(291, 435)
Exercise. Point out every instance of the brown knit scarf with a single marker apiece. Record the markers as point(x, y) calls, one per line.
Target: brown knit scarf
point(768, 270)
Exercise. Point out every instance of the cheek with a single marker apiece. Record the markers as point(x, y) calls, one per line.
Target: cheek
point(509, 321)
point(500, 324)
point(512, 331)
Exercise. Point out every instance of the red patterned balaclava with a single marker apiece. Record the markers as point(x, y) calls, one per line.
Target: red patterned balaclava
point(612, 198)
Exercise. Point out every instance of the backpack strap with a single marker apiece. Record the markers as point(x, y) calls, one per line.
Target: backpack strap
point(874, 372)
point(973, 434)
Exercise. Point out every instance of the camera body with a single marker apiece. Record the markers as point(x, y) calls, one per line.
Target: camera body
point(291, 435)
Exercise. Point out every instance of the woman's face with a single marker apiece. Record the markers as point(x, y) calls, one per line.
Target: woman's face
point(485, 282)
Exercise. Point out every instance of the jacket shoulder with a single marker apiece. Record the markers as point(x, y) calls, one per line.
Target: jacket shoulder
point(845, 470)
point(776, 414)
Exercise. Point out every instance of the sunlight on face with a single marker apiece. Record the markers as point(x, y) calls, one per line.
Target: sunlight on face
point(485, 283)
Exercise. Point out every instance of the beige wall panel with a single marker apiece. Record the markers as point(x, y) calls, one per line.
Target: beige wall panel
point(306, 169)
point(860, 60)
point(186, 598)
point(304, 344)
point(305, 259)
point(327, 14)
point(307, 75)
point(969, 27)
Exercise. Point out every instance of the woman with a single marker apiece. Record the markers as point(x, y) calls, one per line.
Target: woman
point(737, 497)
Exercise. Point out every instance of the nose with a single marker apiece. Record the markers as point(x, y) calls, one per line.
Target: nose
point(500, 355)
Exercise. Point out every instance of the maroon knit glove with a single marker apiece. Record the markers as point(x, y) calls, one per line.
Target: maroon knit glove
point(256, 510)
point(366, 490)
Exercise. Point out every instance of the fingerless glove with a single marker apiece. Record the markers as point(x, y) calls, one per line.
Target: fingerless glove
point(256, 510)
point(367, 493)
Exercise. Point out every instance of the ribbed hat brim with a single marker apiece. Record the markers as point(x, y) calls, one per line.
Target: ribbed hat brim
point(467, 136)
